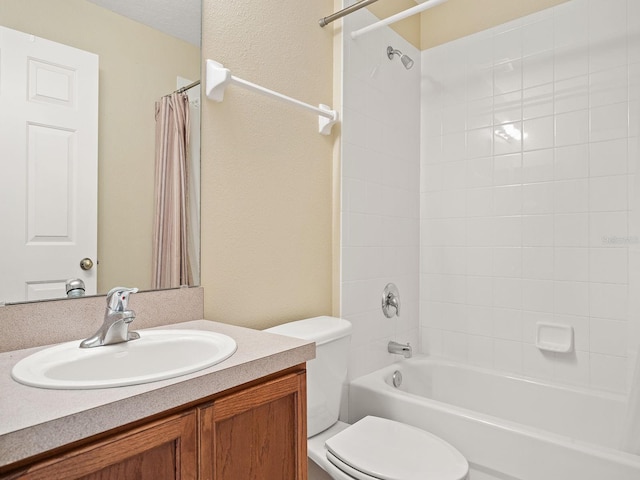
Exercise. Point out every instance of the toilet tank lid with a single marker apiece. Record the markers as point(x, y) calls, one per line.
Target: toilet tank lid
point(318, 329)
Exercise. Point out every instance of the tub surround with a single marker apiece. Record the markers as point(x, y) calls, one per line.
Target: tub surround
point(529, 157)
point(380, 192)
point(35, 421)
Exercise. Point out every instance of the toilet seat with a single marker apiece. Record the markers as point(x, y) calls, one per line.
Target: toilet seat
point(344, 468)
point(377, 448)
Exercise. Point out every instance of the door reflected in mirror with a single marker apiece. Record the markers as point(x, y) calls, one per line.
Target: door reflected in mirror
point(52, 195)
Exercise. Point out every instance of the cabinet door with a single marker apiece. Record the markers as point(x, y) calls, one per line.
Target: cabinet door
point(165, 449)
point(256, 434)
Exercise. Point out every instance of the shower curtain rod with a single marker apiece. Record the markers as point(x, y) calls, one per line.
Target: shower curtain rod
point(187, 87)
point(345, 11)
point(397, 17)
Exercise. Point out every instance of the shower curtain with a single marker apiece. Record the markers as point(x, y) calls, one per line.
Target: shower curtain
point(171, 256)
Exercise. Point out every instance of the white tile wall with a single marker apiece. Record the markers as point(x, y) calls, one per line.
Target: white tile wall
point(529, 150)
point(381, 190)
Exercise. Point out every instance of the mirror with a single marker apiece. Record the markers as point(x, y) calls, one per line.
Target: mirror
point(138, 64)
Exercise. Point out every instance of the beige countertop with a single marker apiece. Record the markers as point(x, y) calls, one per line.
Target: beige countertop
point(35, 420)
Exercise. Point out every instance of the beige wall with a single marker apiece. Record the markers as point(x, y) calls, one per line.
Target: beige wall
point(266, 171)
point(137, 66)
point(458, 18)
point(409, 28)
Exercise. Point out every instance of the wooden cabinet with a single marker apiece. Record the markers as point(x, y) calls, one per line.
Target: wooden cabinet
point(256, 434)
point(161, 450)
point(252, 433)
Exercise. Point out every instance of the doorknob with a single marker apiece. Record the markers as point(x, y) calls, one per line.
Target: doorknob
point(86, 264)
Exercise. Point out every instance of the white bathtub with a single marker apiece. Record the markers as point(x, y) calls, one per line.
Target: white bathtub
point(506, 426)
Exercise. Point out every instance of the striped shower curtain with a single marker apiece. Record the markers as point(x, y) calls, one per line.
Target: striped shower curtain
point(171, 223)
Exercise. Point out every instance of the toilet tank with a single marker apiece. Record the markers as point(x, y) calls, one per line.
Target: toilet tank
point(327, 373)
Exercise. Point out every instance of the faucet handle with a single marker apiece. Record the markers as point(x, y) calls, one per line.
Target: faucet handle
point(118, 298)
point(391, 301)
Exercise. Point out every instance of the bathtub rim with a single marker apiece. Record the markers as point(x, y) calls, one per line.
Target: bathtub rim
point(378, 377)
point(432, 359)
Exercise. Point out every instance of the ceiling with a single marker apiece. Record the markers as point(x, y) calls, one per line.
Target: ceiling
point(178, 18)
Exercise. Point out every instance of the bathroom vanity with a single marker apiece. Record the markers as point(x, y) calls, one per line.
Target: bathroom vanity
point(242, 418)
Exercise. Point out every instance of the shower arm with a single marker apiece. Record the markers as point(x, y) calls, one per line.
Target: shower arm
point(344, 12)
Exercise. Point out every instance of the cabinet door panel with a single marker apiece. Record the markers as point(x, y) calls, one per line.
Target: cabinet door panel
point(165, 449)
point(159, 463)
point(256, 434)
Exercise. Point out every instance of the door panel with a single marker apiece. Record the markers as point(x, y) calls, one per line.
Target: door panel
point(50, 172)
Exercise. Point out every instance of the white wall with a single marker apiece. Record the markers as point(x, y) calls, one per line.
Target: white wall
point(534, 229)
point(380, 192)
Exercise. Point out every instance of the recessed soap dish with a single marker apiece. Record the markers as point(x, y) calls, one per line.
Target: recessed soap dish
point(554, 337)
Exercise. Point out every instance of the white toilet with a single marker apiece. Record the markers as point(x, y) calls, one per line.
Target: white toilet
point(373, 448)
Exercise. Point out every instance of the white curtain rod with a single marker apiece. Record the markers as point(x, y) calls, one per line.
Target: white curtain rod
point(219, 77)
point(397, 17)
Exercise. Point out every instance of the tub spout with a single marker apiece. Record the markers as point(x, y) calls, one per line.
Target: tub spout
point(400, 349)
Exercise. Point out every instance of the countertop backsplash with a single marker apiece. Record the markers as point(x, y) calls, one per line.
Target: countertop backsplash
point(26, 325)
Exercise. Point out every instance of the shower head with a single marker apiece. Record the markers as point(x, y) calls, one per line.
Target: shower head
point(405, 59)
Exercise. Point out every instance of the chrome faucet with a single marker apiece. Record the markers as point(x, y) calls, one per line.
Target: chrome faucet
point(115, 327)
point(400, 349)
point(75, 288)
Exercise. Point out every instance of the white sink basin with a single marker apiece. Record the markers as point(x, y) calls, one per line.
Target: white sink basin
point(156, 355)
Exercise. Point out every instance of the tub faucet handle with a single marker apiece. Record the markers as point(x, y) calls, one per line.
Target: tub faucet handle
point(391, 301)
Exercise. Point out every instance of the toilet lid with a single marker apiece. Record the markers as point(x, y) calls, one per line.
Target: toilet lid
point(388, 450)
